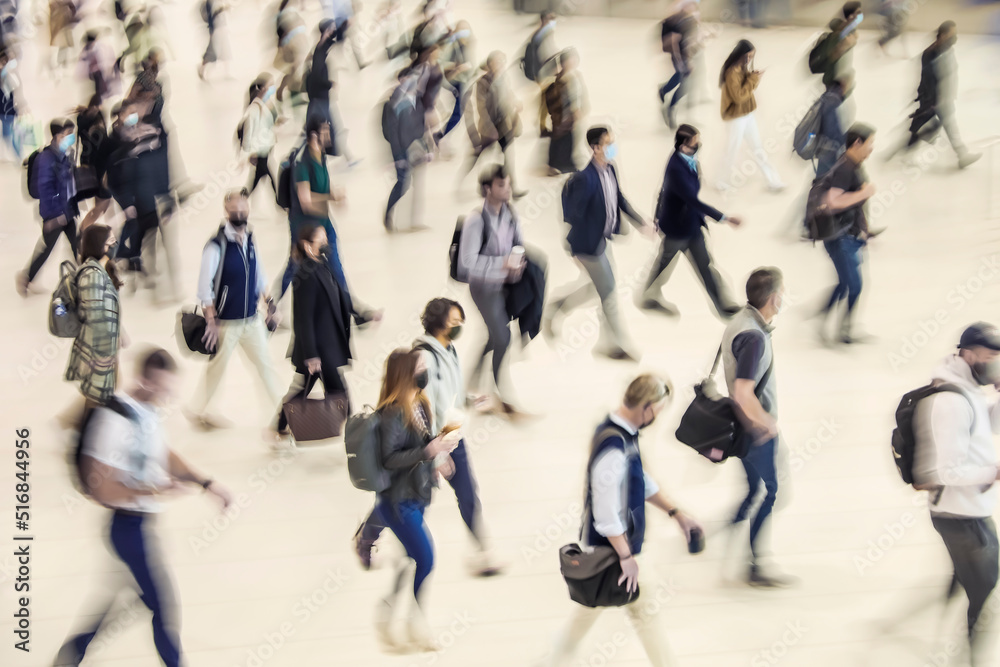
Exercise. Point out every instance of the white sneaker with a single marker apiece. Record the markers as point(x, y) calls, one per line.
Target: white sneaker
point(383, 625)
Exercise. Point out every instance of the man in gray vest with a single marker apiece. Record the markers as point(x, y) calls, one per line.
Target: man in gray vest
point(748, 360)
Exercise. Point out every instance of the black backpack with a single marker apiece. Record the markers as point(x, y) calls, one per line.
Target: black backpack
point(904, 442)
point(114, 404)
point(821, 223)
point(285, 194)
point(529, 62)
point(819, 56)
point(456, 241)
point(30, 178)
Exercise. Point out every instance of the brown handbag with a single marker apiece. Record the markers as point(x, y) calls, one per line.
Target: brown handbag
point(316, 419)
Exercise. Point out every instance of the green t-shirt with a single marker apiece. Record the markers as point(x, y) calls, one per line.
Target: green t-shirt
point(308, 169)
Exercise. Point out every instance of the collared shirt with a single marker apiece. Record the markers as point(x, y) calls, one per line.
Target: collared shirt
point(610, 187)
point(609, 486)
point(210, 258)
point(691, 161)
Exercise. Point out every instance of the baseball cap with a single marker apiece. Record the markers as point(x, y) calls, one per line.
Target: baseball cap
point(980, 334)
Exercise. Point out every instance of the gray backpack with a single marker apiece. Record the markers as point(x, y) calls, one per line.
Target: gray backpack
point(364, 451)
point(806, 139)
point(64, 321)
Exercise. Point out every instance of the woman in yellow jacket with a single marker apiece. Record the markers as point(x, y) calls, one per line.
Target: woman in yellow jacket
point(738, 81)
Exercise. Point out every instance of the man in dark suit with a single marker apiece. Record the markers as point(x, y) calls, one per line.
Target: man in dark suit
point(680, 216)
point(592, 205)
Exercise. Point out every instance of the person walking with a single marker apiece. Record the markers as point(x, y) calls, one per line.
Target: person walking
point(212, 13)
point(11, 103)
point(321, 324)
point(93, 360)
point(490, 257)
point(231, 283)
point(565, 103)
point(443, 320)
point(128, 466)
point(738, 80)
point(679, 36)
point(748, 363)
point(956, 462)
point(403, 126)
point(258, 130)
point(52, 173)
point(413, 456)
point(592, 205)
point(850, 188)
point(457, 56)
point(680, 217)
point(936, 95)
point(617, 490)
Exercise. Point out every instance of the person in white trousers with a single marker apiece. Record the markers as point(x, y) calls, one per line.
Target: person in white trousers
point(738, 80)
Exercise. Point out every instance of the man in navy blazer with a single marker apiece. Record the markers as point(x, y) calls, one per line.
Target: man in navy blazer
point(680, 216)
point(592, 205)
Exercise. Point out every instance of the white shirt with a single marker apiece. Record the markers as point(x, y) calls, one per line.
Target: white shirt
point(610, 187)
point(954, 444)
point(137, 452)
point(609, 486)
point(258, 129)
point(210, 258)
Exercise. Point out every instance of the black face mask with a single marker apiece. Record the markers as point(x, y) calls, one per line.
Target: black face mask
point(325, 250)
point(238, 220)
point(112, 251)
point(645, 424)
point(455, 332)
point(421, 379)
point(695, 149)
point(986, 372)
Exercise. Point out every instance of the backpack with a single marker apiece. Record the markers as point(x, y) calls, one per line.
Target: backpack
point(819, 56)
point(529, 62)
point(805, 141)
point(821, 223)
point(31, 178)
point(668, 27)
point(114, 404)
point(64, 319)
point(456, 241)
point(286, 182)
point(364, 451)
point(904, 442)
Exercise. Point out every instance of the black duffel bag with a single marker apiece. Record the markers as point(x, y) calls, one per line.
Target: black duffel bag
point(592, 574)
point(190, 330)
point(713, 424)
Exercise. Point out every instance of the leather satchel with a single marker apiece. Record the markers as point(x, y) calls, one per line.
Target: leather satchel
point(312, 419)
point(592, 574)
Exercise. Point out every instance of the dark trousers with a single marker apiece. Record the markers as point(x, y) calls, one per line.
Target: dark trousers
point(845, 252)
point(261, 170)
point(45, 244)
point(457, 89)
point(303, 383)
point(697, 253)
point(403, 179)
point(492, 305)
point(972, 545)
point(506, 147)
point(131, 545)
point(678, 81)
point(760, 469)
point(463, 482)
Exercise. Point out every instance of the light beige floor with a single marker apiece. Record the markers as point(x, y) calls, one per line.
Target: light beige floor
point(243, 585)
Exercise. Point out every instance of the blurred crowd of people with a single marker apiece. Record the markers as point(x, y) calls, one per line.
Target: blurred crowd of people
point(111, 181)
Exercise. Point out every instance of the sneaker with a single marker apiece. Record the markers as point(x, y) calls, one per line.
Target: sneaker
point(21, 284)
point(967, 159)
point(364, 548)
point(759, 579)
point(658, 306)
point(618, 354)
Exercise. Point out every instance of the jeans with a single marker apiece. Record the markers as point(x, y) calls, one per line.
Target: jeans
point(45, 244)
point(406, 521)
point(458, 90)
point(403, 173)
point(678, 81)
point(972, 545)
point(155, 589)
point(697, 253)
point(845, 252)
point(759, 466)
point(7, 125)
point(463, 483)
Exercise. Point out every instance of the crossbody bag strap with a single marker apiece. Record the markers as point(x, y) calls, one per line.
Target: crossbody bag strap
point(715, 364)
point(766, 376)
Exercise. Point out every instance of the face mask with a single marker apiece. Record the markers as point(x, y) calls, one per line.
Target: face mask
point(695, 149)
point(420, 379)
point(9, 67)
point(269, 93)
point(112, 251)
point(950, 42)
point(131, 120)
point(646, 424)
point(66, 142)
point(463, 34)
point(238, 220)
point(455, 332)
point(986, 372)
point(325, 250)
point(610, 151)
point(691, 161)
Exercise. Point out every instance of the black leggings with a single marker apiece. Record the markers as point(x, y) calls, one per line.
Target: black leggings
point(263, 169)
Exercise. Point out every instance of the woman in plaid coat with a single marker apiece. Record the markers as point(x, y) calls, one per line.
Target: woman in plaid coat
point(93, 362)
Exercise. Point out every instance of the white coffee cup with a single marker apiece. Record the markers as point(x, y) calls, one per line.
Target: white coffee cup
point(517, 255)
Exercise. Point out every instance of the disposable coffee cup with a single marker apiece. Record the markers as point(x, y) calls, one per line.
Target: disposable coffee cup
point(517, 252)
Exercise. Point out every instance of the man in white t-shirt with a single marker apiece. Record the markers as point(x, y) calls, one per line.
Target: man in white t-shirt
point(127, 466)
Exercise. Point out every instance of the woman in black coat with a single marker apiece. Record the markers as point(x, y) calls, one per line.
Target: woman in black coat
point(321, 322)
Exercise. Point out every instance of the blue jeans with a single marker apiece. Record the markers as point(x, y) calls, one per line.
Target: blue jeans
point(406, 521)
point(845, 252)
point(403, 171)
point(333, 259)
point(678, 81)
point(463, 482)
point(155, 589)
point(458, 90)
point(7, 125)
point(759, 467)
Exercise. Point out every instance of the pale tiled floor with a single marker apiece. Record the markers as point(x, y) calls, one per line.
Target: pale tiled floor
point(243, 585)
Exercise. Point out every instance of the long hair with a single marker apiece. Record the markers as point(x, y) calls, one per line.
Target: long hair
point(306, 235)
point(743, 47)
point(259, 84)
point(398, 386)
point(92, 243)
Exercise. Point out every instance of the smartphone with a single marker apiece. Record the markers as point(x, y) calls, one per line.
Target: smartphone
point(852, 26)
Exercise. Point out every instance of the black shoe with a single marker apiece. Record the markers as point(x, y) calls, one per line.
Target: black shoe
point(758, 579)
point(618, 355)
point(672, 118)
point(387, 222)
point(661, 307)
